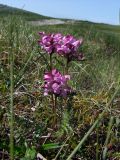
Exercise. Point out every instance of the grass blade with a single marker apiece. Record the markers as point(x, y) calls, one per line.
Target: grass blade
point(11, 92)
point(107, 138)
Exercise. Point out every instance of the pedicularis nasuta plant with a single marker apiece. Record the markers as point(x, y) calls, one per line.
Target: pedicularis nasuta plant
point(56, 84)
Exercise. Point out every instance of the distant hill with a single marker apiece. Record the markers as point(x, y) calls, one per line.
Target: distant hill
point(30, 16)
point(7, 10)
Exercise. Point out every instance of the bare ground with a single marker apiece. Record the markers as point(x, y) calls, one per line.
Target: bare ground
point(50, 22)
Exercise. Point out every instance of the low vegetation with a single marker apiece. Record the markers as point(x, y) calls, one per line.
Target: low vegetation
point(95, 102)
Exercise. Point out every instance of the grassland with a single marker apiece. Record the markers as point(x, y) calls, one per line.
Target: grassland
point(95, 80)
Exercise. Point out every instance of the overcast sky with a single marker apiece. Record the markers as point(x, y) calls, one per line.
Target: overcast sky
point(105, 11)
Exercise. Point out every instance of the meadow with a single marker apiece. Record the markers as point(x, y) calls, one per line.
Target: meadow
point(87, 125)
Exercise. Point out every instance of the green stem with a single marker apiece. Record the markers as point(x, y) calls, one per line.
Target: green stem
point(67, 67)
point(21, 73)
point(97, 145)
point(55, 117)
point(11, 107)
point(11, 58)
point(54, 104)
point(51, 66)
point(107, 138)
point(61, 148)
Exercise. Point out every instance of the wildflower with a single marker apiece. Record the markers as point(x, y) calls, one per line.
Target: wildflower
point(49, 42)
point(56, 83)
point(68, 47)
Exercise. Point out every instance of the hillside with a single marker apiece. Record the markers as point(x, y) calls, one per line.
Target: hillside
point(37, 19)
point(7, 10)
point(30, 16)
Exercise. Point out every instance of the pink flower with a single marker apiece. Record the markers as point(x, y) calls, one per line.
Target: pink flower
point(56, 83)
point(48, 42)
point(68, 47)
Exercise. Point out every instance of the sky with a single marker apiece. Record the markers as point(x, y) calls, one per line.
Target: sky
point(102, 11)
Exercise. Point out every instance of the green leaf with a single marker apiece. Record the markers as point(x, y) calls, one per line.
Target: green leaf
point(51, 146)
point(30, 154)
